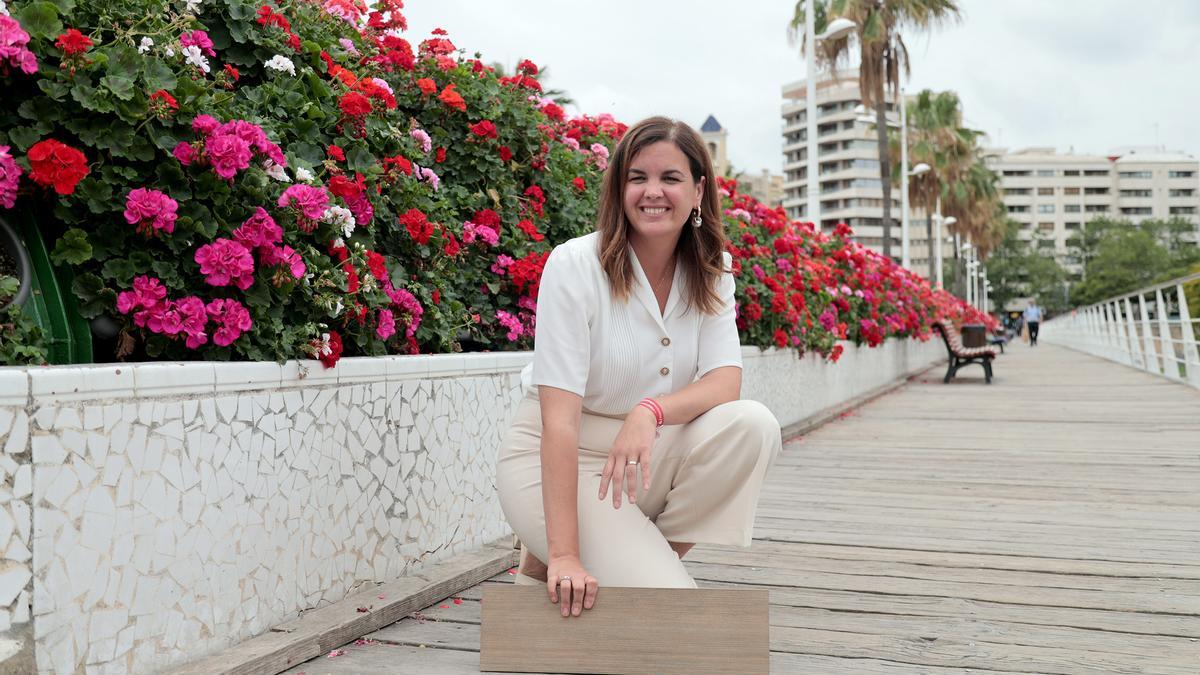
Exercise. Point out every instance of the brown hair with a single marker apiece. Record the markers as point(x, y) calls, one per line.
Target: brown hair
point(699, 248)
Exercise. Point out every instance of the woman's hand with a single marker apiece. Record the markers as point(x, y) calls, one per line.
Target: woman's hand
point(570, 586)
point(630, 451)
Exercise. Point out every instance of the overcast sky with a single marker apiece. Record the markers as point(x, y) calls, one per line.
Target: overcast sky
point(1091, 75)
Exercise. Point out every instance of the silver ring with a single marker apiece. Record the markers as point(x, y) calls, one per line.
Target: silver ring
point(632, 461)
point(562, 579)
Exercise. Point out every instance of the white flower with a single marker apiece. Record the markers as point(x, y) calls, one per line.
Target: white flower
point(169, 50)
point(3, 8)
point(303, 175)
point(192, 55)
point(192, 5)
point(282, 63)
point(145, 45)
point(339, 243)
point(341, 217)
point(275, 171)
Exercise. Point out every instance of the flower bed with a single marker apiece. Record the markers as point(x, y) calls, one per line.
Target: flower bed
point(234, 180)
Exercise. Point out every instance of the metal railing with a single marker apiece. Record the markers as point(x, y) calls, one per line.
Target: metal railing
point(1152, 329)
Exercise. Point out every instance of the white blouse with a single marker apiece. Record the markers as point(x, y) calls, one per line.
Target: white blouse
point(615, 353)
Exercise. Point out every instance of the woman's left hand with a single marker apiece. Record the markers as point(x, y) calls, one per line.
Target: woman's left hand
point(630, 452)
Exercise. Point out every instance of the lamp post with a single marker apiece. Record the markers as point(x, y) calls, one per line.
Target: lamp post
point(937, 218)
point(836, 29)
point(905, 173)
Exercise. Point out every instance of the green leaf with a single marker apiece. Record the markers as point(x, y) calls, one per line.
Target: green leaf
point(72, 248)
point(124, 65)
point(23, 137)
point(309, 153)
point(121, 87)
point(96, 193)
point(53, 89)
point(158, 75)
point(94, 297)
point(168, 272)
point(120, 270)
point(64, 6)
point(40, 19)
point(91, 98)
point(359, 158)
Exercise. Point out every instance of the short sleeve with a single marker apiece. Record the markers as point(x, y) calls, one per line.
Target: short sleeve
point(562, 341)
point(719, 342)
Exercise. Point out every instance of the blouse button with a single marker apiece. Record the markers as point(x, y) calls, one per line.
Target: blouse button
point(666, 342)
point(664, 371)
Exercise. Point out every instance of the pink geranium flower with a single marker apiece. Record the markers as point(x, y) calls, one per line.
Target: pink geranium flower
point(259, 230)
point(13, 52)
point(147, 293)
point(232, 320)
point(151, 210)
point(198, 38)
point(387, 324)
point(184, 152)
point(193, 319)
point(10, 178)
point(226, 262)
point(311, 201)
point(205, 124)
point(228, 154)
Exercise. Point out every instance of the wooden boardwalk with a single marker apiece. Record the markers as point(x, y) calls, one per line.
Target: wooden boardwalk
point(1047, 523)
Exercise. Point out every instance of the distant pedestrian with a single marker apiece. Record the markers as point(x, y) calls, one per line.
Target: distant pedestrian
point(1033, 318)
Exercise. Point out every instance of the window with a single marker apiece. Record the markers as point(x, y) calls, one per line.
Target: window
point(1013, 172)
point(1018, 209)
point(1045, 172)
point(1071, 208)
point(1136, 193)
point(1016, 191)
point(1136, 210)
point(1070, 172)
point(1181, 192)
point(1095, 191)
point(1045, 243)
point(1096, 172)
point(1071, 191)
point(1096, 208)
point(1045, 208)
point(1072, 225)
point(1180, 174)
point(1046, 226)
point(871, 183)
point(1183, 210)
point(1046, 191)
point(1137, 174)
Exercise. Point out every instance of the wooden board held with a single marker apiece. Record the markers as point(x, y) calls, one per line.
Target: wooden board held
point(630, 630)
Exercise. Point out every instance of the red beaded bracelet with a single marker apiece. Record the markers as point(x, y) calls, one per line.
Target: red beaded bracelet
point(654, 407)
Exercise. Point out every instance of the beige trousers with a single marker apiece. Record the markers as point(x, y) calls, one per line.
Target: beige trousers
point(704, 486)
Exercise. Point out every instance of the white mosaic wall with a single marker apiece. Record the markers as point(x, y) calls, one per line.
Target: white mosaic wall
point(181, 508)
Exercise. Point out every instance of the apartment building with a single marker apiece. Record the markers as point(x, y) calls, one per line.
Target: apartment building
point(848, 163)
point(1052, 195)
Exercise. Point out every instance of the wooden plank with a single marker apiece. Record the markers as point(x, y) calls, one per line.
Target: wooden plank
point(630, 630)
point(1017, 595)
point(319, 631)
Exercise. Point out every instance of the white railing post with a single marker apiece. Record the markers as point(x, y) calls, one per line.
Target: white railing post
point(1150, 362)
point(1110, 346)
point(1191, 367)
point(1136, 357)
point(1166, 344)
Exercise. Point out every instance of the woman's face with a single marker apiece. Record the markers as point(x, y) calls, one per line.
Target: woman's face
point(659, 191)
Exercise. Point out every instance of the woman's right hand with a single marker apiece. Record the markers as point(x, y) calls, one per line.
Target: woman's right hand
point(570, 586)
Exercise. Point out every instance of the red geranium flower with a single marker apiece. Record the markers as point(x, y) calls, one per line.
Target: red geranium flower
point(452, 98)
point(418, 226)
point(73, 42)
point(354, 104)
point(484, 129)
point(162, 103)
point(329, 352)
point(439, 156)
point(505, 153)
point(528, 67)
point(579, 184)
point(530, 229)
point(335, 153)
point(57, 164)
point(376, 264)
point(427, 86)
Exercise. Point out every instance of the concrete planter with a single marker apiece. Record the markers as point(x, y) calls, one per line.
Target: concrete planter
point(154, 513)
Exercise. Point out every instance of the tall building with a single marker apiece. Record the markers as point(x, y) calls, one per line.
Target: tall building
point(848, 159)
point(766, 188)
point(715, 137)
point(1052, 195)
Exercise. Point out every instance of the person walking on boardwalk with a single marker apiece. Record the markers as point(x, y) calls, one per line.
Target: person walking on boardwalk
point(633, 393)
point(1033, 317)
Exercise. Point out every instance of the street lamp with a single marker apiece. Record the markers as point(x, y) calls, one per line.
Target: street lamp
point(937, 218)
point(838, 28)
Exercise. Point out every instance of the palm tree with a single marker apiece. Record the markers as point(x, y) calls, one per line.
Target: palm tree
point(882, 56)
point(936, 138)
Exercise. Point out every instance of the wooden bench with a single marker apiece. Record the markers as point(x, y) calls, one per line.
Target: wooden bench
point(960, 355)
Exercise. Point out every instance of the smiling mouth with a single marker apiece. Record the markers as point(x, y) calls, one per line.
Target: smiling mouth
point(654, 210)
